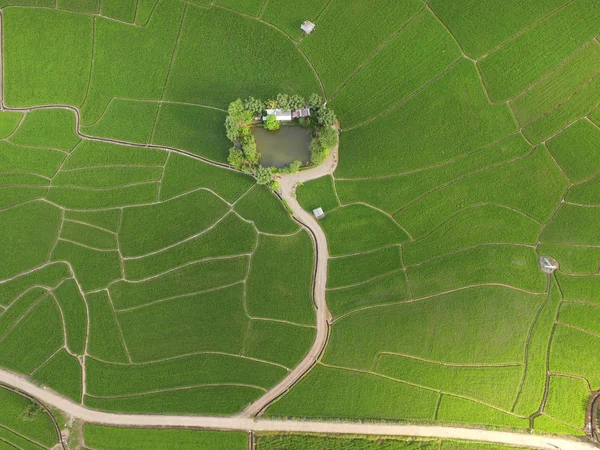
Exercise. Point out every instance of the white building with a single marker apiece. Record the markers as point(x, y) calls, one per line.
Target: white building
point(282, 115)
point(319, 214)
point(307, 27)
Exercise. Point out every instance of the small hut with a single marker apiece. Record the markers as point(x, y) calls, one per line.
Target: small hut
point(319, 214)
point(308, 26)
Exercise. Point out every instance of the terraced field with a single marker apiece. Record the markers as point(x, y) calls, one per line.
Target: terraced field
point(139, 273)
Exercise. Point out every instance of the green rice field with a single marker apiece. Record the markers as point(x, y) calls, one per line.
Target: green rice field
point(141, 273)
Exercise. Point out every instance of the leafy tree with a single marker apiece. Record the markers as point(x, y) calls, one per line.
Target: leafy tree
point(297, 101)
point(283, 101)
point(263, 175)
point(295, 166)
point(255, 105)
point(236, 157)
point(315, 100)
point(232, 129)
point(326, 117)
point(317, 152)
point(272, 103)
point(272, 123)
point(244, 131)
point(236, 110)
point(327, 137)
point(250, 151)
point(275, 185)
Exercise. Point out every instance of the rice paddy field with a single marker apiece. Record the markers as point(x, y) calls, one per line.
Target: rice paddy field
point(139, 273)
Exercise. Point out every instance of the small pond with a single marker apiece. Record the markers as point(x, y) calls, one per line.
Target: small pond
point(281, 147)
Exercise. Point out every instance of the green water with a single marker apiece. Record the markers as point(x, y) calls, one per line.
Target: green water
point(282, 147)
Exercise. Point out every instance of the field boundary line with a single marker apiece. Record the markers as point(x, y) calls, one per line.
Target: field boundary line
point(446, 364)
point(31, 441)
point(179, 388)
point(581, 330)
point(118, 322)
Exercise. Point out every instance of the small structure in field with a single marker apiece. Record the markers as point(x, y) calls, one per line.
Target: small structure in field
point(319, 214)
point(548, 264)
point(282, 115)
point(308, 26)
point(302, 112)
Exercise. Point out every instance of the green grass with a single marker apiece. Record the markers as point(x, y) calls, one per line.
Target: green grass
point(319, 193)
point(359, 228)
point(40, 74)
point(559, 85)
point(224, 42)
point(263, 208)
point(575, 352)
point(280, 279)
point(584, 162)
point(492, 385)
point(193, 128)
point(107, 219)
point(497, 264)
point(93, 153)
point(585, 317)
point(183, 174)
point(116, 121)
point(572, 412)
point(537, 51)
point(536, 187)
point(33, 160)
point(104, 336)
point(581, 289)
point(48, 276)
point(22, 180)
point(87, 6)
point(571, 226)
point(231, 236)
point(481, 325)
point(418, 54)
point(107, 379)
point(454, 409)
point(351, 270)
point(192, 278)
point(74, 312)
point(479, 31)
point(209, 401)
point(578, 260)
point(336, 393)
point(19, 307)
point(9, 121)
point(50, 128)
point(339, 442)
point(12, 196)
point(278, 342)
point(148, 228)
point(94, 269)
point(90, 236)
point(546, 424)
point(78, 198)
point(144, 10)
point(106, 177)
point(337, 51)
point(586, 193)
point(39, 331)
point(278, 13)
point(251, 7)
point(486, 224)
point(27, 234)
point(119, 9)
point(214, 321)
point(131, 62)
point(446, 115)
point(113, 438)
point(63, 373)
point(38, 426)
point(387, 289)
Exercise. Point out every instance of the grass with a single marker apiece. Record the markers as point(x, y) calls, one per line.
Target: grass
point(570, 226)
point(486, 224)
point(455, 409)
point(231, 236)
point(19, 307)
point(148, 228)
point(191, 278)
point(113, 438)
point(90, 236)
point(586, 193)
point(479, 325)
point(335, 442)
point(264, 209)
point(278, 13)
point(74, 312)
point(546, 424)
point(94, 269)
point(583, 163)
point(116, 121)
point(579, 260)
point(9, 121)
point(174, 325)
point(193, 128)
point(446, 114)
point(107, 177)
point(579, 288)
point(119, 9)
point(581, 316)
point(492, 385)
point(251, 7)
point(63, 373)
point(33, 160)
point(278, 342)
point(572, 413)
point(183, 174)
point(417, 54)
point(93, 153)
point(87, 6)
point(337, 52)
point(37, 426)
point(319, 193)
point(77, 198)
point(48, 276)
point(107, 219)
point(39, 74)
point(220, 39)
point(573, 352)
point(50, 128)
point(360, 228)
point(538, 50)
point(336, 393)
point(108, 379)
point(28, 233)
point(280, 279)
point(387, 289)
point(352, 270)
point(12, 196)
point(105, 339)
point(498, 264)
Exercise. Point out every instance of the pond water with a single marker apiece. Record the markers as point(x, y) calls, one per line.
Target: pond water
point(282, 147)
